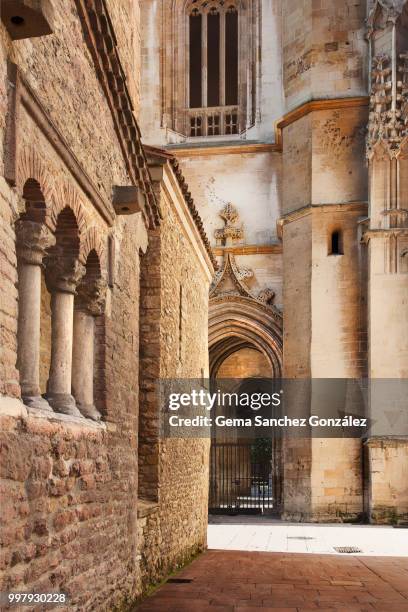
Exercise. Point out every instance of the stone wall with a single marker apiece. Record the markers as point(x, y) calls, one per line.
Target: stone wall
point(173, 488)
point(387, 482)
point(324, 52)
point(325, 298)
point(245, 363)
point(69, 485)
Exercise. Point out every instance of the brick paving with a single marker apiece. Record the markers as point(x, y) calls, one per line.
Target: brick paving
point(244, 581)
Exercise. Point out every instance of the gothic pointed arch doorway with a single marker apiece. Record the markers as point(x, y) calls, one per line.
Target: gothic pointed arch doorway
point(245, 348)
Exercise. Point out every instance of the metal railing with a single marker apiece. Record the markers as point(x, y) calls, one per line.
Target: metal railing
point(237, 484)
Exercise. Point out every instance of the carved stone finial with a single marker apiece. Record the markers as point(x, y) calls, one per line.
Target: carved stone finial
point(33, 239)
point(91, 296)
point(63, 273)
point(229, 232)
point(266, 296)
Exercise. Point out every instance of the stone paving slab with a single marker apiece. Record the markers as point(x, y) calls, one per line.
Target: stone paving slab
point(246, 581)
point(262, 534)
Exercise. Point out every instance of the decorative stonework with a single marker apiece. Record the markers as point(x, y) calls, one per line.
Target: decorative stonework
point(388, 119)
point(32, 239)
point(63, 273)
point(230, 231)
point(383, 12)
point(91, 296)
point(230, 279)
point(266, 296)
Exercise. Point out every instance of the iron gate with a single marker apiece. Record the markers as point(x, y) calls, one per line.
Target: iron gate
point(243, 479)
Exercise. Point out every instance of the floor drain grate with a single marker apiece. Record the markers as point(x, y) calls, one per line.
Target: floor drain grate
point(179, 580)
point(347, 549)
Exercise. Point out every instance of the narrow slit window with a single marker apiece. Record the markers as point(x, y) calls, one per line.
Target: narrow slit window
point(336, 243)
point(213, 58)
point(195, 60)
point(231, 56)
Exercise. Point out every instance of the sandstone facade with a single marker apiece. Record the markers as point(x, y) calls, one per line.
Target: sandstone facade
point(299, 157)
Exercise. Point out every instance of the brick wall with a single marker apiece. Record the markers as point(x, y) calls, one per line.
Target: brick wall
point(68, 486)
point(175, 527)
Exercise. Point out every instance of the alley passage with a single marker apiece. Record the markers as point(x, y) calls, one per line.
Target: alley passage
point(245, 581)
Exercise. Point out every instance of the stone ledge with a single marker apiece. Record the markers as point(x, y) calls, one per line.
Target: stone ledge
point(13, 407)
point(146, 508)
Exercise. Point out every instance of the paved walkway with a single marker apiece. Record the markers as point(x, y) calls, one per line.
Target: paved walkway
point(233, 581)
point(269, 535)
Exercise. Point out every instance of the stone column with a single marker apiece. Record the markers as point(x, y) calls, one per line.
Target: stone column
point(90, 303)
point(63, 275)
point(32, 241)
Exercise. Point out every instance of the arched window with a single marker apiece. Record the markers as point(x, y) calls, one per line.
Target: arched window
point(213, 67)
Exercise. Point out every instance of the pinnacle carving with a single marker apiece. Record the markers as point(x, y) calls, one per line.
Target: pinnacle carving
point(230, 231)
point(388, 120)
point(91, 296)
point(63, 273)
point(33, 240)
point(230, 279)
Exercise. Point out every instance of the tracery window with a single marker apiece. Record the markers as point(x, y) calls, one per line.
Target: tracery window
point(213, 75)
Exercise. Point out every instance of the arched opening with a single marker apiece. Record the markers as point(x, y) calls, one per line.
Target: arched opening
point(213, 75)
point(35, 207)
point(88, 338)
point(33, 239)
point(67, 234)
point(63, 273)
point(195, 59)
point(245, 340)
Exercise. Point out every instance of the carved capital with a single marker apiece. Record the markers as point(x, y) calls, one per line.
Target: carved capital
point(63, 273)
point(33, 239)
point(91, 296)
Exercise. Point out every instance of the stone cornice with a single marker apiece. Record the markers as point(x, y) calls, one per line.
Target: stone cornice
point(209, 150)
point(316, 105)
point(161, 157)
point(223, 148)
point(384, 233)
point(249, 249)
point(304, 211)
point(100, 38)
